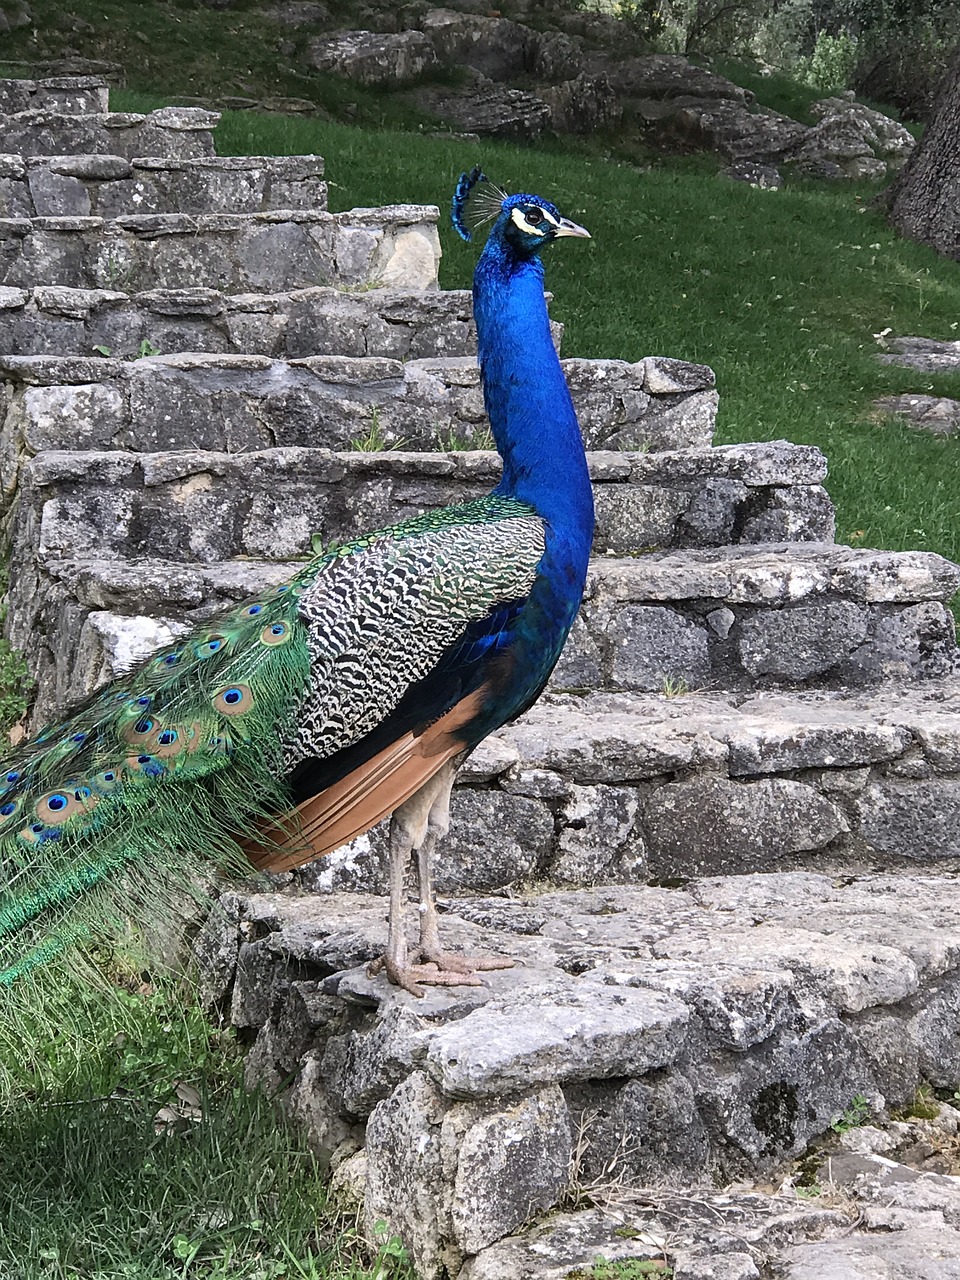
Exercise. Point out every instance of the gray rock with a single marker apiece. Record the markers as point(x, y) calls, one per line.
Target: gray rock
point(926, 355)
point(556, 58)
point(735, 826)
point(919, 817)
point(470, 860)
point(599, 842)
point(659, 649)
point(917, 1253)
point(647, 1132)
point(665, 76)
point(394, 246)
point(494, 47)
point(805, 641)
point(511, 1161)
point(937, 415)
point(375, 58)
point(728, 127)
point(764, 176)
point(583, 105)
point(862, 142)
point(72, 95)
point(181, 132)
point(405, 1173)
point(555, 1033)
point(490, 110)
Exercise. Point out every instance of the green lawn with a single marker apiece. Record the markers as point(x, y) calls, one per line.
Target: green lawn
point(93, 1186)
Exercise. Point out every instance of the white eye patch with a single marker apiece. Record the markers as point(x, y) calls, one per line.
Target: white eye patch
point(518, 218)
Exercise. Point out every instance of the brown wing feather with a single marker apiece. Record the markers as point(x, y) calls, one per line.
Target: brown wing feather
point(360, 800)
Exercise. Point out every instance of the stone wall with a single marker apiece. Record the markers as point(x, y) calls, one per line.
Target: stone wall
point(232, 252)
point(182, 133)
point(71, 95)
point(388, 324)
point(653, 1038)
point(243, 402)
point(108, 186)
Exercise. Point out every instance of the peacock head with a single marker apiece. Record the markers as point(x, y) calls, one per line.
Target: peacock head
point(524, 223)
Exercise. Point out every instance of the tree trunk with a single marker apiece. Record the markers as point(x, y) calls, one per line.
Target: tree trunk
point(924, 200)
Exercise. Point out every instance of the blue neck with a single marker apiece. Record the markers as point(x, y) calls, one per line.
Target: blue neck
point(528, 402)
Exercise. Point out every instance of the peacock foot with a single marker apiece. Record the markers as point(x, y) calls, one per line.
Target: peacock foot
point(436, 969)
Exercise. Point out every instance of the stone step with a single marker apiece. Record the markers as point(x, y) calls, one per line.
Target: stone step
point(779, 617)
point(392, 324)
point(204, 507)
point(108, 186)
point(234, 402)
point(650, 1045)
point(182, 133)
point(396, 245)
point(70, 95)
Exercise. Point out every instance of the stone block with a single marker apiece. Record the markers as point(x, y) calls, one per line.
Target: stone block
point(181, 132)
point(472, 861)
point(907, 819)
point(396, 246)
point(555, 1033)
point(804, 641)
point(646, 1132)
point(599, 841)
point(512, 1161)
point(658, 648)
point(732, 826)
point(405, 1172)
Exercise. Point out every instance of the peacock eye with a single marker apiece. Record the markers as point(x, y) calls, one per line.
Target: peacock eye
point(534, 216)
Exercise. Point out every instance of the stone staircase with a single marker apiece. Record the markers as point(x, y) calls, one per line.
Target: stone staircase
point(751, 734)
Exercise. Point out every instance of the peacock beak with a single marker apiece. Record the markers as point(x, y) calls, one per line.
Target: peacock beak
point(568, 228)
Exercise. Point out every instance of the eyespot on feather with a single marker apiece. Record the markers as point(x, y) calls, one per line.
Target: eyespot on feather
point(233, 700)
point(107, 781)
point(275, 633)
point(9, 811)
point(169, 741)
point(57, 807)
point(251, 611)
point(145, 765)
point(207, 648)
point(140, 730)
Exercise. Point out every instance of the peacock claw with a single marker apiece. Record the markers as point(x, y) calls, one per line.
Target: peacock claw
point(448, 962)
point(438, 969)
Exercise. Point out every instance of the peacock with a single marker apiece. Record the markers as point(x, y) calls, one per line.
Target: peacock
point(293, 723)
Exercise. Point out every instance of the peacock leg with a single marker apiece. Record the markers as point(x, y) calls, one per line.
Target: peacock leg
point(449, 967)
point(409, 830)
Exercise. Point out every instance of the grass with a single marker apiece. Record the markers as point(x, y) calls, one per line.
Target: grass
point(93, 1185)
point(186, 47)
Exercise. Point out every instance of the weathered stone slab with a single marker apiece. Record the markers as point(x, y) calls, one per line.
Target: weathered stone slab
point(174, 132)
point(222, 401)
point(384, 324)
point(395, 246)
point(764, 990)
point(108, 186)
point(71, 95)
point(937, 415)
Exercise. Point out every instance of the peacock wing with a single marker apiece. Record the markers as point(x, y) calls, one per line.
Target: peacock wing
point(401, 638)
